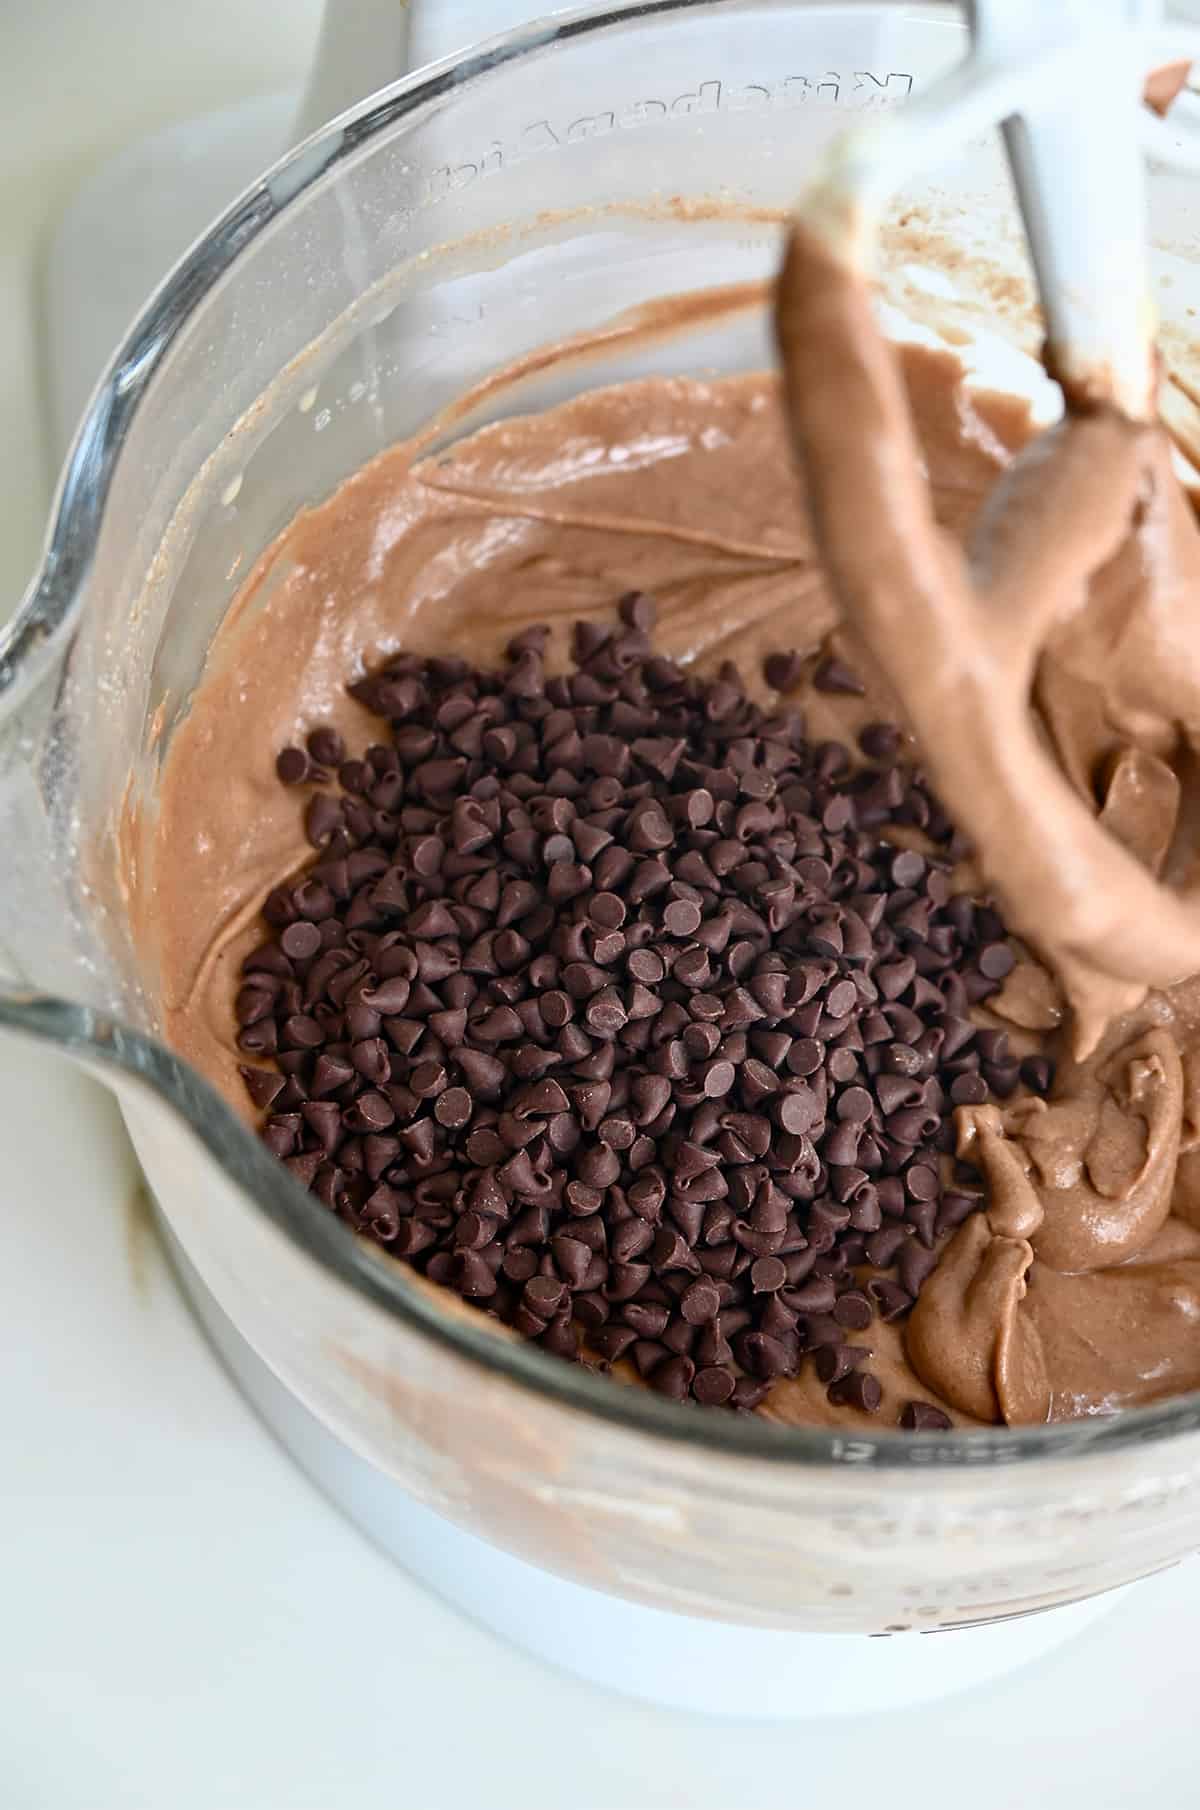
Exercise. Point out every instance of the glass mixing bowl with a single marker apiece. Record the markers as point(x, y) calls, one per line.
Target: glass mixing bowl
point(523, 192)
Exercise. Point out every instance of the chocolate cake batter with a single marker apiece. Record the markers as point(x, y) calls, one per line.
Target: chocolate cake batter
point(1078, 1289)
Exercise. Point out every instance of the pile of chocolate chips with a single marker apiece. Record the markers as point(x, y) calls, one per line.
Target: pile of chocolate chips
point(608, 1006)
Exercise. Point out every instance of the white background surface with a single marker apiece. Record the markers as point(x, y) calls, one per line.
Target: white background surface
point(182, 1621)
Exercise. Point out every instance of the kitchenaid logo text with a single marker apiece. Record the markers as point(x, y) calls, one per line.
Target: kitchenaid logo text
point(859, 89)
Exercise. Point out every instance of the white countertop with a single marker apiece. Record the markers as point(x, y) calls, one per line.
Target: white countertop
point(183, 1621)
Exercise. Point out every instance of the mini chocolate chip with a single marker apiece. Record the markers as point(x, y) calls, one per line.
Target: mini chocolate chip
point(914, 1265)
point(833, 1362)
point(638, 611)
point(857, 1390)
point(880, 741)
point(841, 999)
point(996, 961)
point(834, 675)
point(605, 1012)
point(921, 1182)
point(262, 1085)
point(673, 1377)
point(700, 1303)
point(855, 1105)
point(883, 1246)
point(300, 941)
point(714, 1385)
point(890, 1299)
point(543, 1295)
point(783, 670)
point(763, 1356)
point(293, 766)
point(326, 747)
point(453, 1108)
point(993, 1047)
point(908, 868)
point(805, 1056)
point(923, 1417)
point(797, 1112)
point(767, 1274)
point(681, 917)
point(853, 1310)
point(748, 1393)
point(1037, 1072)
point(322, 819)
point(717, 1078)
point(816, 1296)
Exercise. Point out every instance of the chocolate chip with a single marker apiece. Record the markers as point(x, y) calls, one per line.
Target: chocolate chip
point(883, 1246)
point(908, 868)
point(996, 961)
point(293, 766)
point(783, 670)
point(763, 1356)
point(921, 1182)
point(543, 1295)
point(717, 1078)
point(453, 1108)
point(992, 1046)
point(747, 1394)
point(681, 917)
point(914, 1265)
point(797, 1112)
point(713, 1385)
point(805, 1056)
point(834, 675)
point(638, 611)
point(880, 741)
point(853, 1310)
point(673, 1377)
point(605, 1012)
point(262, 1085)
point(890, 1299)
point(841, 999)
point(833, 1362)
point(857, 1390)
point(300, 942)
point(767, 1274)
point(700, 1303)
point(855, 1105)
point(812, 1297)
point(923, 1417)
point(322, 819)
point(326, 747)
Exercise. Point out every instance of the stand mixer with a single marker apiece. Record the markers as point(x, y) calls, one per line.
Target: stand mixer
point(1064, 1513)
